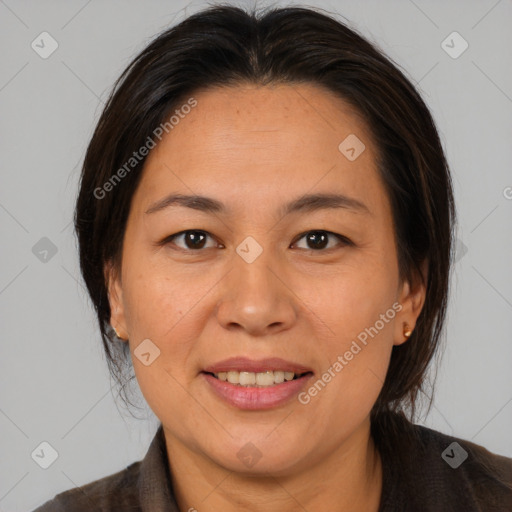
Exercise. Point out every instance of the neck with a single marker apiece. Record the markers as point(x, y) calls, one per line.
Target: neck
point(347, 479)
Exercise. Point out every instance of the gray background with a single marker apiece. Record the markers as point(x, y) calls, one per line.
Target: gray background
point(54, 381)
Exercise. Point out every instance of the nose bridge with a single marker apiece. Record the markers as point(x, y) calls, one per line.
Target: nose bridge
point(255, 273)
point(255, 297)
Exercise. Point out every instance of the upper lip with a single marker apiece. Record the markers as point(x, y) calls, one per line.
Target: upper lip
point(256, 366)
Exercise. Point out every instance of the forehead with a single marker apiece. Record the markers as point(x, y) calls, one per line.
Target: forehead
point(263, 143)
point(272, 116)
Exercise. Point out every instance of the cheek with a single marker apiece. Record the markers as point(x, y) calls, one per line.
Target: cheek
point(353, 299)
point(161, 309)
point(154, 299)
point(359, 307)
point(355, 360)
point(167, 307)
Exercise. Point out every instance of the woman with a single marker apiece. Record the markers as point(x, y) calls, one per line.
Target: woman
point(265, 222)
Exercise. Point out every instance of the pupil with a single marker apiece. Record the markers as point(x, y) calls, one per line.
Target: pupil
point(194, 237)
point(311, 238)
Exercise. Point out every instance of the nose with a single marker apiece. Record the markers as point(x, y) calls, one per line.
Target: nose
point(256, 298)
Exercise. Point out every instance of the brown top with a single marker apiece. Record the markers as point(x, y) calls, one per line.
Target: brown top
point(448, 475)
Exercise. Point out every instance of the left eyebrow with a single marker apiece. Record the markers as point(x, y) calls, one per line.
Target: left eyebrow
point(307, 204)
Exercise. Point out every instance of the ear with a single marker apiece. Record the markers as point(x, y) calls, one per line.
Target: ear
point(115, 298)
point(412, 294)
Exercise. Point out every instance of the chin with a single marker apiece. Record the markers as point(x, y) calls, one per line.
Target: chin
point(258, 459)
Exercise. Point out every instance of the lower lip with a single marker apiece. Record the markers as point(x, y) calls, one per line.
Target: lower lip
point(253, 398)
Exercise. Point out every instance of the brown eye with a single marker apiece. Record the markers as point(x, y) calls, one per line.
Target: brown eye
point(195, 240)
point(192, 239)
point(318, 240)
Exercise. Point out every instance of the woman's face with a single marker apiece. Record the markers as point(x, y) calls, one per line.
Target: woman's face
point(253, 285)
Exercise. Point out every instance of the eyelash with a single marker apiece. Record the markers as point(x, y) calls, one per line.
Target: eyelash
point(344, 240)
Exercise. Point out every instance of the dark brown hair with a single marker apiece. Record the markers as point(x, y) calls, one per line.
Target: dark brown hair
point(225, 45)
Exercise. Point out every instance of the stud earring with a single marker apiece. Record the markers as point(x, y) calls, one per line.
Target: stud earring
point(407, 331)
point(117, 334)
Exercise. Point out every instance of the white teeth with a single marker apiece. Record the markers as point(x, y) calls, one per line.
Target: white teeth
point(247, 378)
point(260, 379)
point(233, 377)
point(278, 377)
point(265, 379)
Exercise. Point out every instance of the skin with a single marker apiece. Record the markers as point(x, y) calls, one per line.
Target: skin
point(255, 148)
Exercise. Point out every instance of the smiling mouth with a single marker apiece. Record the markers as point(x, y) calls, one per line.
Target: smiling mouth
point(257, 379)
